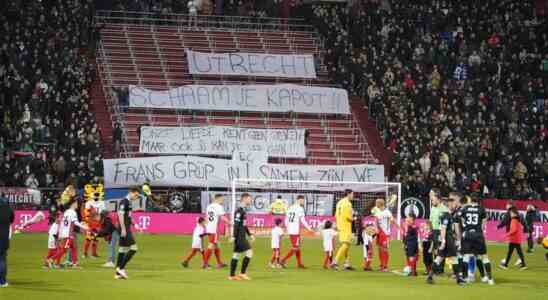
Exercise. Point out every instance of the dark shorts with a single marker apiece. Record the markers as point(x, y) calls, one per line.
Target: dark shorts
point(241, 245)
point(128, 240)
point(411, 250)
point(450, 249)
point(435, 239)
point(474, 243)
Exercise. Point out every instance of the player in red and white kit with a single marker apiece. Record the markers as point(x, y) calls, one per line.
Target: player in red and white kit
point(384, 220)
point(215, 212)
point(293, 220)
point(276, 237)
point(67, 235)
point(197, 235)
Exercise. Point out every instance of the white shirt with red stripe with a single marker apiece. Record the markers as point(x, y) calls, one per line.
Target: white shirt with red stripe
point(277, 233)
point(293, 219)
point(199, 231)
point(66, 228)
point(214, 212)
point(328, 237)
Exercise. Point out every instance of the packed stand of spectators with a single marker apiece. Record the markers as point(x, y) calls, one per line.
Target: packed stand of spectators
point(48, 132)
point(242, 8)
point(458, 89)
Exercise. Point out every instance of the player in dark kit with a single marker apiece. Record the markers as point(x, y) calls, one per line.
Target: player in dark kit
point(473, 218)
point(127, 244)
point(241, 244)
point(449, 233)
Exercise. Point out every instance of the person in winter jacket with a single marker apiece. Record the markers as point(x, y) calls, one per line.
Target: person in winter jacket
point(515, 236)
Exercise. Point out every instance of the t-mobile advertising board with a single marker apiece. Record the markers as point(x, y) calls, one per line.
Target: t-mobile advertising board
point(167, 223)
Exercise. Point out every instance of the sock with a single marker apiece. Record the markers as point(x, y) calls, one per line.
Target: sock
point(217, 252)
point(298, 255)
point(471, 266)
point(367, 263)
point(127, 258)
point(463, 269)
point(203, 258)
point(207, 256)
point(191, 255)
point(94, 248)
point(120, 259)
point(383, 257)
point(343, 250)
point(456, 271)
point(413, 264)
point(233, 265)
point(479, 266)
point(488, 270)
point(245, 263)
point(288, 256)
point(74, 254)
point(86, 247)
point(60, 253)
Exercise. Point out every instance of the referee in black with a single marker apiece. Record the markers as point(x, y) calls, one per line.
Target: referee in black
point(241, 244)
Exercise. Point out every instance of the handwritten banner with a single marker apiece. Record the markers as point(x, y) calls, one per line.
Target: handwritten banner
point(316, 204)
point(216, 172)
point(251, 64)
point(222, 140)
point(256, 97)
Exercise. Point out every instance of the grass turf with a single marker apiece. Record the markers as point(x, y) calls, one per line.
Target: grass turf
point(155, 273)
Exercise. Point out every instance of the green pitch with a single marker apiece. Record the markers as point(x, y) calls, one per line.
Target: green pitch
point(155, 273)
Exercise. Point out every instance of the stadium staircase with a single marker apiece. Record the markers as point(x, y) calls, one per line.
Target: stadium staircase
point(151, 55)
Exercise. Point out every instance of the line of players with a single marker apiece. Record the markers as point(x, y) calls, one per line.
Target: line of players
point(460, 239)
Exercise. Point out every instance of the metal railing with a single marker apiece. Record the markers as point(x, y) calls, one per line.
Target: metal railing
point(212, 22)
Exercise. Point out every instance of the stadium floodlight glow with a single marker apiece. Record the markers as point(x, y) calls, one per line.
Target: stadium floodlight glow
point(367, 191)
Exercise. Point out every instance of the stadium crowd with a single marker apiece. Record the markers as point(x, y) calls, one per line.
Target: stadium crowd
point(458, 89)
point(48, 131)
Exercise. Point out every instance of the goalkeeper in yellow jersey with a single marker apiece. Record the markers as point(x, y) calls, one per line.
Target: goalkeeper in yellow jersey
point(344, 218)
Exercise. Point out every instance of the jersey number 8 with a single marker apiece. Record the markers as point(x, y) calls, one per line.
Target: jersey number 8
point(211, 216)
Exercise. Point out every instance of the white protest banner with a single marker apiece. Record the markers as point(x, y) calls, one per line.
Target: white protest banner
point(255, 97)
point(222, 140)
point(251, 64)
point(169, 171)
point(316, 204)
point(216, 172)
point(328, 173)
